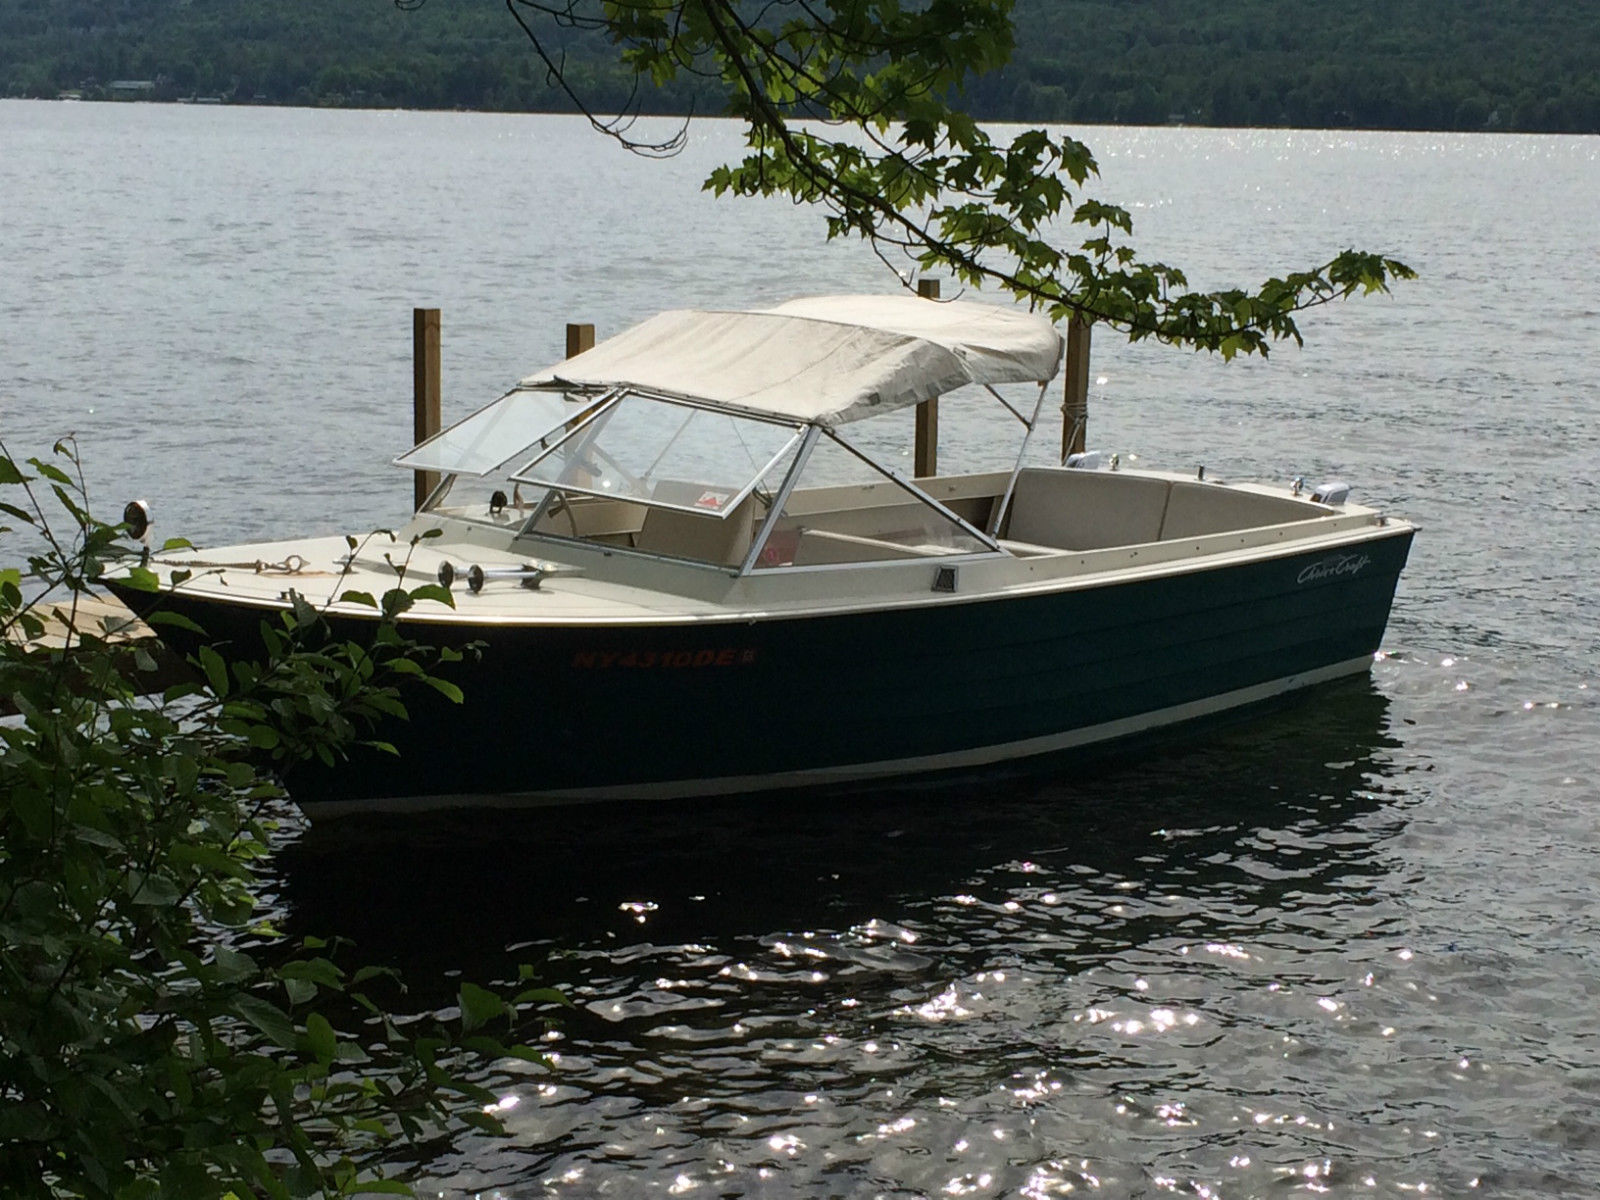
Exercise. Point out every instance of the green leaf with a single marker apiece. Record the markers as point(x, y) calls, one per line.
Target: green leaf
point(432, 591)
point(233, 966)
point(320, 1038)
point(216, 671)
point(305, 616)
point(478, 1006)
point(445, 688)
point(212, 858)
point(299, 991)
point(267, 1018)
point(317, 970)
point(263, 737)
point(142, 579)
point(173, 620)
point(98, 837)
point(155, 890)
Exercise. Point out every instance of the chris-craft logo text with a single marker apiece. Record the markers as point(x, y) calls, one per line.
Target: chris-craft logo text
point(1334, 568)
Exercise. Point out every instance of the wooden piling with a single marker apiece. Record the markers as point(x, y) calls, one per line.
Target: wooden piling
point(1075, 402)
point(579, 339)
point(925, 457)
point(425, 391)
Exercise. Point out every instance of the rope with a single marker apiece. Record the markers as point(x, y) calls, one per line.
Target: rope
point(294, 564)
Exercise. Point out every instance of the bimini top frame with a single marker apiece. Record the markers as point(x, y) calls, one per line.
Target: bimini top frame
point(828, 359)
point(778, 380)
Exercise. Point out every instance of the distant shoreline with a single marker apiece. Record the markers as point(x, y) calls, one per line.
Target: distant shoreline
point(219, 102)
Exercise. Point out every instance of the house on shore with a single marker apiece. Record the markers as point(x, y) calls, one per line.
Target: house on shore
point(131, 89)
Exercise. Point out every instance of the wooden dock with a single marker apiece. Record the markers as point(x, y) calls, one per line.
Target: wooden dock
point(94, 616)
point(67, 622)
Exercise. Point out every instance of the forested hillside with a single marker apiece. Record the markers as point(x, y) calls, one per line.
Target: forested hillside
point(1384, 64)
point(1401, 64)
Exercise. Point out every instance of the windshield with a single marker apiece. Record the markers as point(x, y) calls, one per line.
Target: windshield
point(495, 434)
point(664, 453)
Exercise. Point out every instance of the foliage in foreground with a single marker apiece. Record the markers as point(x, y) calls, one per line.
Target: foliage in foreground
point(156, 1037)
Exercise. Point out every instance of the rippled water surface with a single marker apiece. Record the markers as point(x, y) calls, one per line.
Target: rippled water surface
point(1348, 949)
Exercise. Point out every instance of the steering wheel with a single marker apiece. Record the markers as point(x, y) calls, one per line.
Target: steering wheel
point(560, 503)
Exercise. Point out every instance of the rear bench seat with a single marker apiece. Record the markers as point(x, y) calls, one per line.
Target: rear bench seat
point(1086, 510)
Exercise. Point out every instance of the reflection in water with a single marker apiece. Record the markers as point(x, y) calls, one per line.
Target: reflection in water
point(1012, 987)
point(1234, 812)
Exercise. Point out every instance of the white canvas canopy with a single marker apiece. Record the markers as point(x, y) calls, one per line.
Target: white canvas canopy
point(828, 359)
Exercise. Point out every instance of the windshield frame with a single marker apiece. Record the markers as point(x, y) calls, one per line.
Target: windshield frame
point(592, 424)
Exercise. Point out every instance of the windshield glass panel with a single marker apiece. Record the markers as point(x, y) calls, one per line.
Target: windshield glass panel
point(667, 454)
point(494, 435)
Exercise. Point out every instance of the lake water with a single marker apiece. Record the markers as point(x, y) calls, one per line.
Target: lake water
point(1349, 949)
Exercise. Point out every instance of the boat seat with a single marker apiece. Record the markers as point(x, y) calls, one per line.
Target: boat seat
point(703, 537)
point(589, 517)
point(1197, 509)
point(1086, 510)
point(817, 547)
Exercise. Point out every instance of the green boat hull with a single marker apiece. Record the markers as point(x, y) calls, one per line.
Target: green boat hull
point(564, 713)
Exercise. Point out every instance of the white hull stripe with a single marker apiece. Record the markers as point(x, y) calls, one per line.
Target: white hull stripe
point(727, 785)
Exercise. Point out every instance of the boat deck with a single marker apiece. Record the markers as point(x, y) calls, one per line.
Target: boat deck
point(1062, 535)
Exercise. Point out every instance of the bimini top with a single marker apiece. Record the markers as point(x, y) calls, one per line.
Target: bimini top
point(827, 359)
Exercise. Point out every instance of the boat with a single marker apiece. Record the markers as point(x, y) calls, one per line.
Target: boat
point(691, 574)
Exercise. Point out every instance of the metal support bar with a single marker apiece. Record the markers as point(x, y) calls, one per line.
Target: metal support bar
point(890, 473)
point(1011, 484)
point(925, 458)
point(1011, 408)
point(759, 542)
